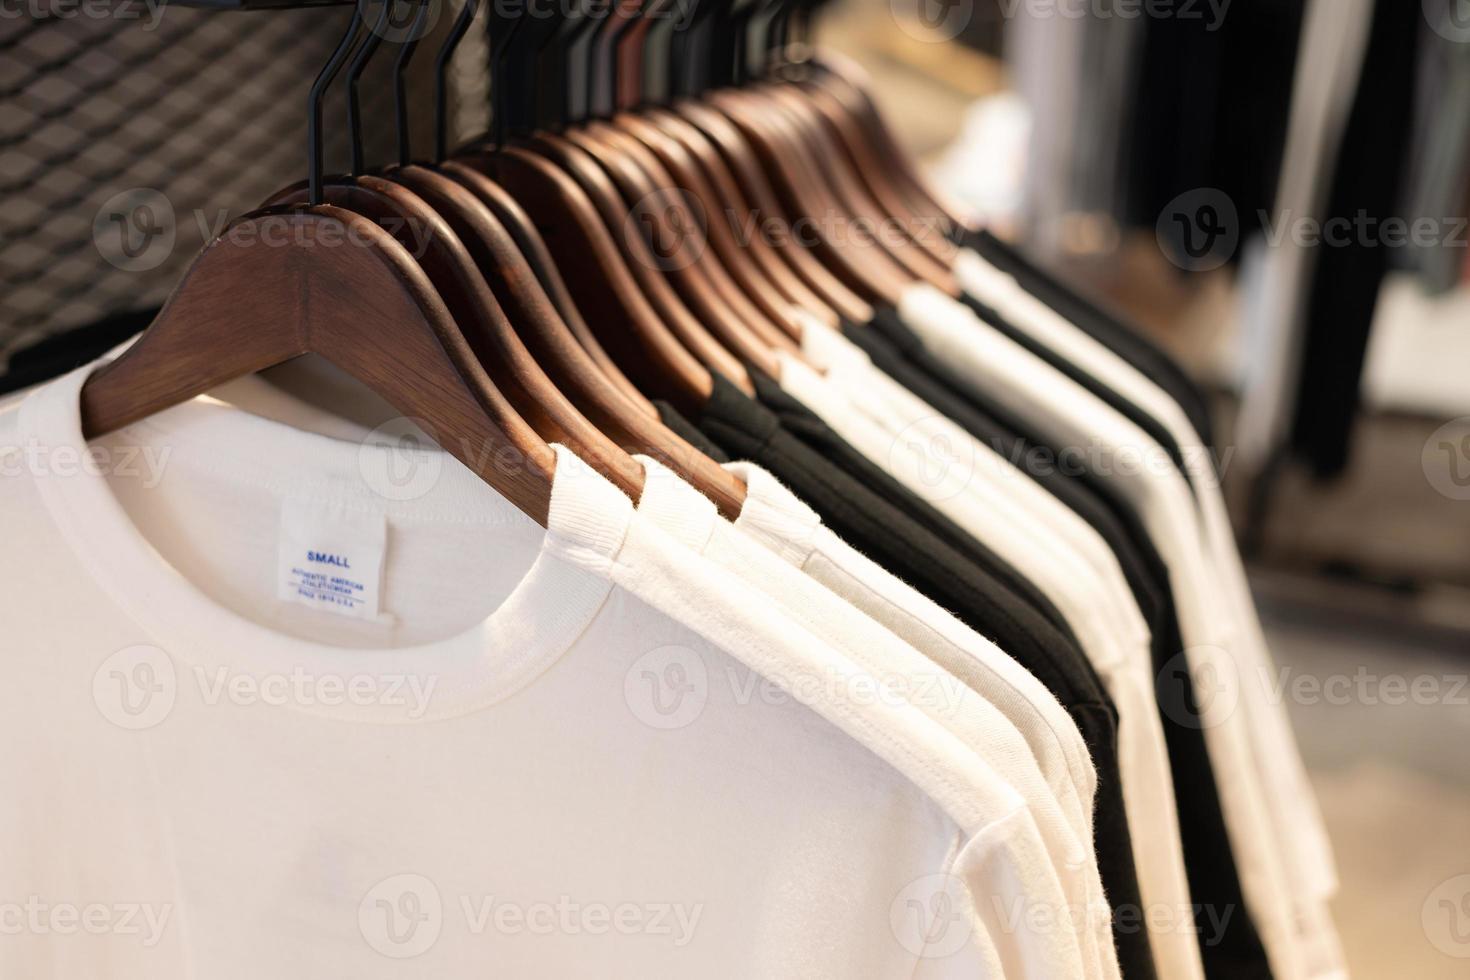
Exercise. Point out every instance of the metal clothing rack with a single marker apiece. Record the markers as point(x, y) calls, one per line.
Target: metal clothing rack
point(128, 133)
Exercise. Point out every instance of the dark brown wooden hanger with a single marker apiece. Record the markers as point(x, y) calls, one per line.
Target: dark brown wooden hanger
point(525, 41)
point(457, 252)
point(928, 230)
point(786, 239)
point(802, 276)
point(526, 241)
point(604, 86)
point(599, 278)
point(530, 244)
point(790, 119)
point(630, 39)
point(752, 300)
point(844, 80)
point(622, 226)
point(810, 286)
point(365, 307)
point(851, 192)
point(816, 192)
point(472, 204)
point(662, 211)
point(281, 283)
point(899, 239)
point(459, 238)
point(539, 326)
point(421, 210)
point(873, 156)
point(841, 243)
point(749, 277)
point(769, 330)
point(862, 264)
point(778, 42)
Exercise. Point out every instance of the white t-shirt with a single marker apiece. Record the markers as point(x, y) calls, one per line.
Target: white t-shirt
point(279, 705)
point(940, 460)
point(1054, 865)
point(775, 518)
point(1069, 415)
point(856, 406)
point(1068, 560)
point(1294, 808)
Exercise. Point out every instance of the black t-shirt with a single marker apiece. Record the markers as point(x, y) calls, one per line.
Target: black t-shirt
point(747, 429)
point(1034, 460)
point(1213, 879)
point(1127, 342)
point(807, 426)
point(1121, 403)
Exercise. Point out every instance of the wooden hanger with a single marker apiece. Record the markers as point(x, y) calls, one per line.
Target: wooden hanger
point(629, 326)
point(537, 337)
point(845, 80)
point(765, 22)
point(366, 307)
point(852, 193)
point(422, 213)
point(556, 348)
point(930, 230)
point(526, 238)
point(690, 157)
point(859, 263)
point(600, 279)
point(831, 275)
point(668, 79)
point(539, 326)
point(742, 289)
point(691, 160)
point(647, 266)
point(748, 279)
point(817, 194)
point(530, 244)
point(794, 174)
point(281, 283)
point(786, 28)
point(666, 212)
point(808, 286)
point(692, 119)
point(663, 214)
point(524, 41)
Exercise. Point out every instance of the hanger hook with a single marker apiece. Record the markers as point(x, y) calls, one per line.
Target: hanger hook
point(400, 81)
point(314, 106)
point(781, 34)
point(614, 77)
point(441, 69)
point(500, 41)
point(765, 56)
point(354, 75)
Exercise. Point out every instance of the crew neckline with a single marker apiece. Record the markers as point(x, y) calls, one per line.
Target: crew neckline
point(535, 624)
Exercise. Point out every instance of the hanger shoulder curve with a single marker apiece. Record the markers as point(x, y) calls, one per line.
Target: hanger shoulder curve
point(340, 287)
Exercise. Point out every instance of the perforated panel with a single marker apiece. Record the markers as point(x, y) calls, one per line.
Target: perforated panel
point(128, 134)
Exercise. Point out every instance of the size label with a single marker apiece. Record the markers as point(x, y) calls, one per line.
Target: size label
point(330, 558)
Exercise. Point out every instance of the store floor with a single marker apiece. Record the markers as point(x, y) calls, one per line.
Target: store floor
point(1392, 774)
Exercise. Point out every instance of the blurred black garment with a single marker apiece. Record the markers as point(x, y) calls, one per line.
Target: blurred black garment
point(1365, 195)
point(1210, 106)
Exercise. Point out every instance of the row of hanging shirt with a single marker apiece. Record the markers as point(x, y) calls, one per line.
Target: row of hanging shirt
point(909, 640)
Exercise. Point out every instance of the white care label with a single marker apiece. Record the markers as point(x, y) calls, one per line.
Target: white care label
point(331, 558)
